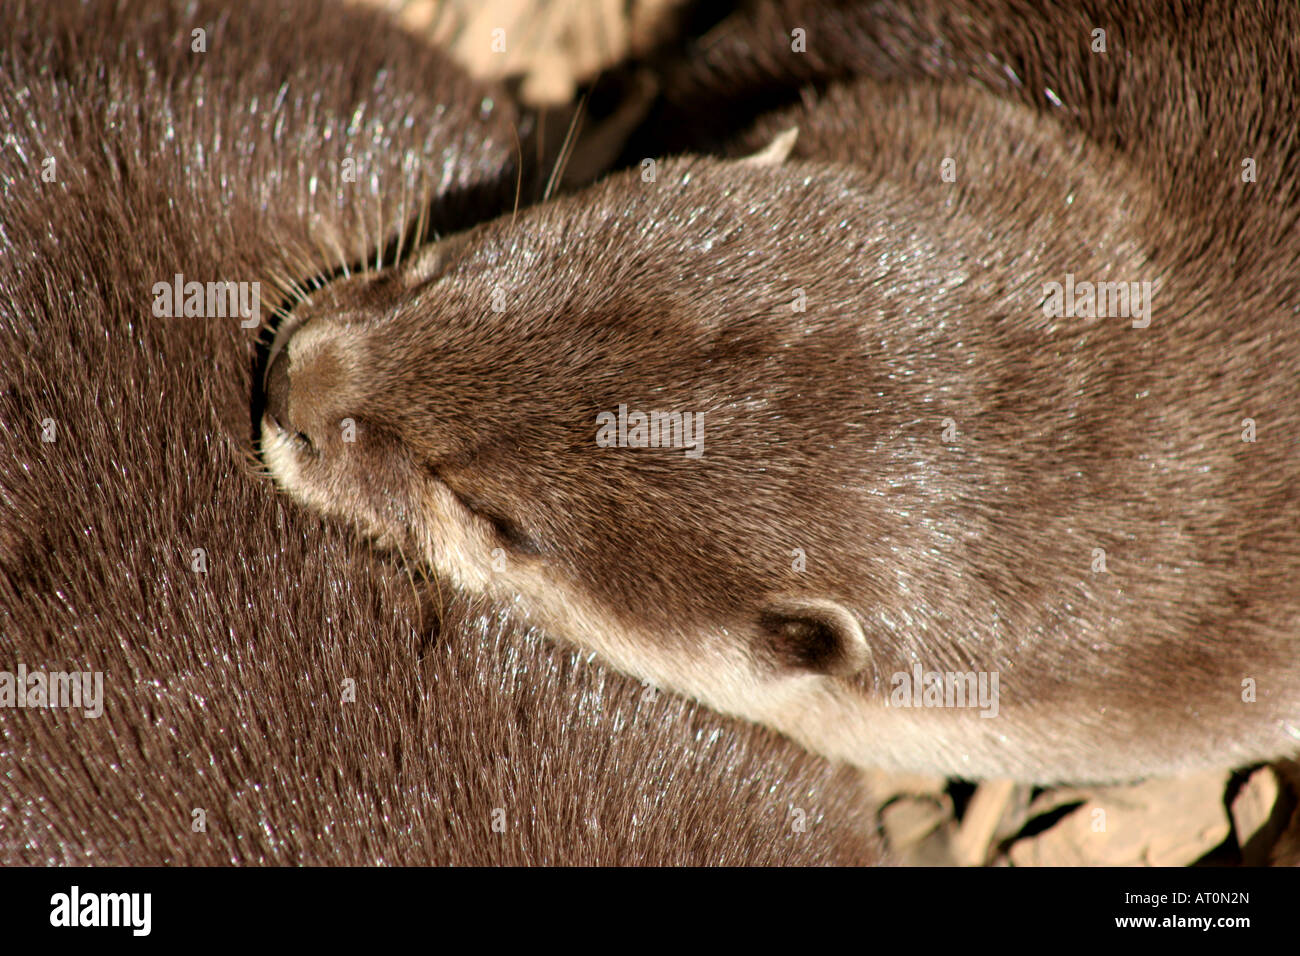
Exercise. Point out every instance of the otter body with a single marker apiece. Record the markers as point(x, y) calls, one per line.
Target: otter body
point(915, 448)
point(272, 691)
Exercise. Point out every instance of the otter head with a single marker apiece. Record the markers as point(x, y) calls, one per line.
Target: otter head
point(614, 413)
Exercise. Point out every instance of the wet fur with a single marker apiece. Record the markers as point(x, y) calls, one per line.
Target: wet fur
point(476, 428)
point(223, 689)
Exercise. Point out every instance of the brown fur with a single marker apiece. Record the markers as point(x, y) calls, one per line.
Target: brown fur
point(476, 425)
point(223, 690)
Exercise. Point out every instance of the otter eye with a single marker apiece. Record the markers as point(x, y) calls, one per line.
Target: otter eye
point(304, 444)
point(511, 533)
point(506, 530)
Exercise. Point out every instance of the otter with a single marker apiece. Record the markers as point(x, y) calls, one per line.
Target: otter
point(960, 440)
point(274, 692)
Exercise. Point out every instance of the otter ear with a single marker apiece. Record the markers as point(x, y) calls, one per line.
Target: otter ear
point(816, 635)
point(433, 259)
point(776, 152)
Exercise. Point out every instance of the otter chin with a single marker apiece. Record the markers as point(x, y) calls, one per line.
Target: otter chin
point(799, 439)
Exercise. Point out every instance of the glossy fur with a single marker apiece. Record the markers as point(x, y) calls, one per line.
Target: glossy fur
point(224, 689)
point(475, 374)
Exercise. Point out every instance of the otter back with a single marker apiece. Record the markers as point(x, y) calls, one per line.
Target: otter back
point(991, 404)
point(270, 692)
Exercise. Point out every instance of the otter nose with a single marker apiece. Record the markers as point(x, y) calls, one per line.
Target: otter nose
point(277, 390)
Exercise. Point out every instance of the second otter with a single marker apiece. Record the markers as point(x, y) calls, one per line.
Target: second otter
point(921, 467)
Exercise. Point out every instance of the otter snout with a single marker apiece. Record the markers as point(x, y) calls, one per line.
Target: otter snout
point(277, 391)
point(309, 381)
